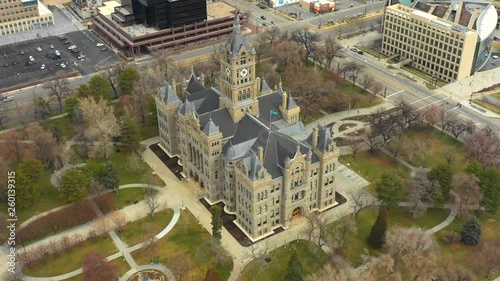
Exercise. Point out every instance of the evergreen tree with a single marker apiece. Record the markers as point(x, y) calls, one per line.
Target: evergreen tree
point(443, 175)
point(377, 234)
point(489, 181)
point(130, 134)
point(152, 118)
point(127, 78)
point(42, 110)
point(474, 168)
point(471, 232)
point(389, 188)
point(216, 222)
point(74, 185)
point(99, 87)
point(26, 190)
point(70, 105)
point(31, 167)
point(294, 270)
point(109, 177)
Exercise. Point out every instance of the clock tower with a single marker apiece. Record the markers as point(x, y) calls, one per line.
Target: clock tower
point(238, 85)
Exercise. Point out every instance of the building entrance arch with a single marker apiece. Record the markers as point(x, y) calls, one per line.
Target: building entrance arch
point(297, 212)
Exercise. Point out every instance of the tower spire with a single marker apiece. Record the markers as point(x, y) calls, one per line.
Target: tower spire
point(236, 22)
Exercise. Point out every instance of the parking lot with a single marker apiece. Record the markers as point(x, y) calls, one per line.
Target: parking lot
point(14, 69)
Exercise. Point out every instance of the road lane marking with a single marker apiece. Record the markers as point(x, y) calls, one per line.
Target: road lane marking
point(395, 93)
point(431, 103)
point(424, 98)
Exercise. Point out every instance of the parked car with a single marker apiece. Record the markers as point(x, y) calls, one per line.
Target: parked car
point(51, 46)
point(71, 47)
point(495, 57)
point(43, 66)
point(21, 52)
point(63, 65)
point(29, 62)
point(100, 44)
point(58, 63)
point(67, 42)
point(81, 56)
point(360, 52)
point(6, 65)
point(32, 58)
point(262, 17)
point(104, 49)
point(39, 49)
point(9, 98)
point(62, 37)
point(13, 63)
point(57, 53)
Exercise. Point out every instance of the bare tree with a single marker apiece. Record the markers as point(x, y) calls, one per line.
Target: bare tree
point(379, 268)
point(367, 81)
point(317, 225)
point(65, 243)
point(271, 35)
point(59, 90)
point(356, 145)
point(308, 93)
point(356, 70)
point(458, 127)
point(163, 63)
point(329, 51)
point(376, 88)
point(444, 118)
point(180, 265)
point(385, 126)
point(287, 53)
point(488, 258)
point(345, 69)
point(329, 271)
point(150, 244)
point(22, 111)
point(342, 228)
point(151, 198)
point(101, 125)
point(119, 219)
point(419, 193)
point(372, 140)
point(398, 145)
point(467, 188)
point(45, 146)
point(307, 39)
point(430, 116)
point(415, 249)
point(408, 113)
point(258, 253)
point(453, 273)
point(4, 112)
point(484, 147)
point(96, 267)
point(102, 225)
point(111, 74)
point(360, 200)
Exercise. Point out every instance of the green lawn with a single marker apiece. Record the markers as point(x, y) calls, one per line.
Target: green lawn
point(354, 244)
point(275, 270)
point(72, 260)
point(463, 255)
point(125, 197)
point(149, 132)
point(311, 117)
point(124, 174)
point(359, 97)
point(48, 199)
point(487, 105)
point(65, 124)
point(190, 238)
point(371, 165)
point(122, 265)
point(435, 148)
point(137, 231)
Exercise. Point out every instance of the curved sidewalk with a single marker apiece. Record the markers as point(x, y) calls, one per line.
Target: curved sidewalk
point(123, 251)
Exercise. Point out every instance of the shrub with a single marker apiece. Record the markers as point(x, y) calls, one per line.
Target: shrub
point(471, 232)
point(377, 234)
point(451, 237)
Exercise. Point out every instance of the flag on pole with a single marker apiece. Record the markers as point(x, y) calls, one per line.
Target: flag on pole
point(274, 113)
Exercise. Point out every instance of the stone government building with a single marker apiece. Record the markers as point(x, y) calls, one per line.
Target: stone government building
point(245, 145)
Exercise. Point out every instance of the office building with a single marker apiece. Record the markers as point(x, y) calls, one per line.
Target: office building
point(449, 40)
point(134, 30)
point(245, 145)
point(23, 15)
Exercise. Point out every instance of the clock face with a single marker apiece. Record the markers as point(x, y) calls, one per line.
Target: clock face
point(243, 72)
point(228, 71)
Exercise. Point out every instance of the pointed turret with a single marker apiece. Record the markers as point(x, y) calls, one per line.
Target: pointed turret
point(236, 40)
point(211, 129)
point(168, 94)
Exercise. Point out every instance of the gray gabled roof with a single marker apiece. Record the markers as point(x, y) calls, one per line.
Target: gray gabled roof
point(236, 40)
point(264, 86)
point(268, 103)
point(290, 104)
point(253, 165)
point(187, 108)
point(194, 85)
point(168, 94)
point(324, 139)
point(211, 129)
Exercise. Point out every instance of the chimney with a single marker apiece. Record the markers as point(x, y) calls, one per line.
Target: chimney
point(284, 100)
point(260, 151)
point(315, 137)
point(174, 85)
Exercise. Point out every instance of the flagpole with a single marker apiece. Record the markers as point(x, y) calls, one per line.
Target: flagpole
point(270, 115)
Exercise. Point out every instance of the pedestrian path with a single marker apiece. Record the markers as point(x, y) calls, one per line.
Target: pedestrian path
point(350, 174)
point(132, 213)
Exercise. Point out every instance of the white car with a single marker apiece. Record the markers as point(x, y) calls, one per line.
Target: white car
point(71, 47)
point(32, 58)
point(495, 57)
point(51, 46)
point(63, 65)
point(39, 49)
point(9, 98)
point(57, 53)
point(43, 66)
point(100, 44)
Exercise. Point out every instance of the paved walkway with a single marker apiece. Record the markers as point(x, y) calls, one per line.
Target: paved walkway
point(131, 213)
